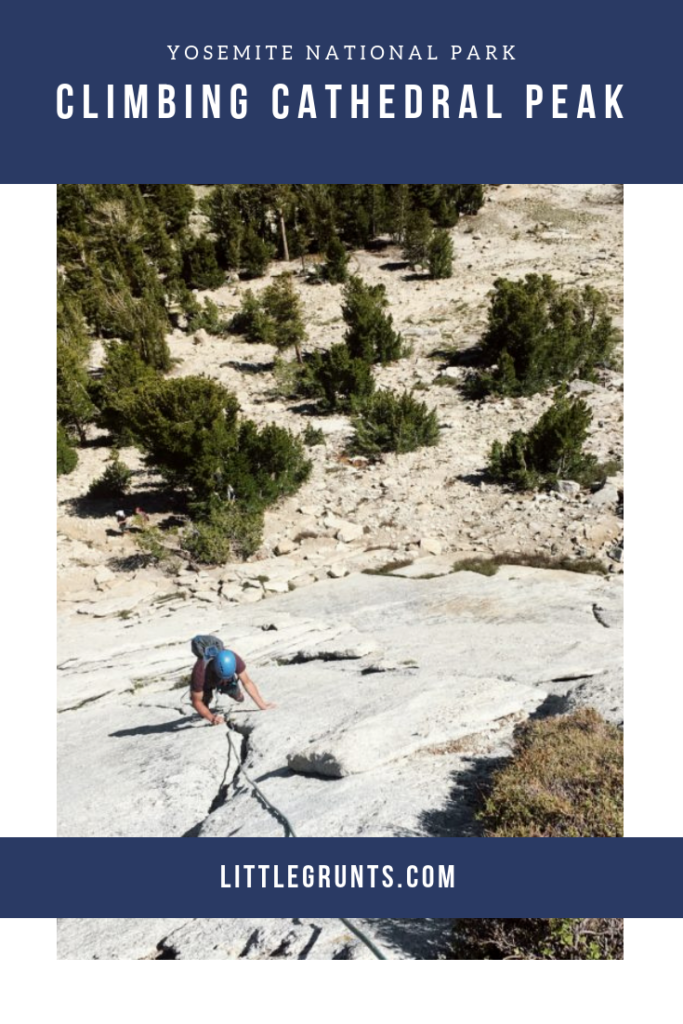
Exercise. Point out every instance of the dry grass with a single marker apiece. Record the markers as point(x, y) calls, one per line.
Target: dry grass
point(565, 779)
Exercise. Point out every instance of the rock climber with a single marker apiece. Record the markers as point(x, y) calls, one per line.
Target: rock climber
point(223, 671)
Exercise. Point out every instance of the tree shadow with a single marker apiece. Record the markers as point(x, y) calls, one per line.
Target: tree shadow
point(457, 819)
point(475, 479)
point(392, 267)
point(249, 368)
point(416, 277)
point(153, 500)
point(420, 938)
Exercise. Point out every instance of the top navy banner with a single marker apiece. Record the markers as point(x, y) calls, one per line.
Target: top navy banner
point(554, 90)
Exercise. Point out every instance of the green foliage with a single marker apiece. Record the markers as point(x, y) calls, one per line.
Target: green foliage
point(337, 378)
point(337, 262)
point(176, 203)
point(440, 254)
point(200, 265)
point(274, 319)
point(207, 317)
point(389, 423)
point(550, 451)
point(226, 222)
point(124, 372)
point(114, 482)
point(565, 779)
point(282, 305)
point(370, 335)
point(313, 436)
point(227, 532)
point(151, 542)
point(539, 334)
point(256, 254)
point(252, 321)
point(490, 566)
point(538, 938)
point(470, 198)
point(67, 456)
point(187, 427)
point(190, 431)
point(74, 406)
point(418, 238)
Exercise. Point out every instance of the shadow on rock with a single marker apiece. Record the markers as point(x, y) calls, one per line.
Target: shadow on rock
point(179, 725)
point(422, 938)
point(458, 818)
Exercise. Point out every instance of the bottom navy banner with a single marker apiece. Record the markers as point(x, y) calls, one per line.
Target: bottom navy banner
point(334, 877)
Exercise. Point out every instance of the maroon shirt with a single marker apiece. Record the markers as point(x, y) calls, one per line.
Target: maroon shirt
point(204, 677)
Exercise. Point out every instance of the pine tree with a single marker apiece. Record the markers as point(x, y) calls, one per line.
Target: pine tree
point(226, 222)
point(440, 254)
point(74, 406)
point(337, 262)
point(200, 266)
point(418, 238)
point(255, 254)
point(397, 210)
point(370, 335)
point(282, 304)
point(67, 456)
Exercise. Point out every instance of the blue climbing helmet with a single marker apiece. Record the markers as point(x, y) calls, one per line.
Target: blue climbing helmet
point(225, 665)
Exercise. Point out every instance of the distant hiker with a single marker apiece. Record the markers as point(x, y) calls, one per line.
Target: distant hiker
point(142, 516)
point(221, 670)
point(122, 521)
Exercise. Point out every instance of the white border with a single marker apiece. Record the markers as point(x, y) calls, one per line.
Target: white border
point(654, 219)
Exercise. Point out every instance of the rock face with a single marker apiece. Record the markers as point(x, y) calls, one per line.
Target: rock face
point(386, 690)
point(245, 939)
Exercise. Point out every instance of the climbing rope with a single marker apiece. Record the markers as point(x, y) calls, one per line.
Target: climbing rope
point(289, 832)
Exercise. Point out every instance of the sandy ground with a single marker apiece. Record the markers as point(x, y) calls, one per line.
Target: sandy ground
point(431, 504)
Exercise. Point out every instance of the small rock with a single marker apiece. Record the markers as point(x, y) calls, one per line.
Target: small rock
point(431, 545)
point(349, 532)
point(285, 547)
point(607, 495)
point(201, 336)
point(568, 487)
point(276, 587)
point(337, 572)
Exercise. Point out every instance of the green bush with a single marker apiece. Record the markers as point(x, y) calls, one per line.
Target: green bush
point(337, 378)
point(252, 321)
point(255, 254)
point(313, 436)
point(67, 456)
point(124, 373)
point(389, 423)
point(200, 265)
point(114, 482)
point(207, 317)
point(227, 532)
point(540, 334)
point(538, 938)
point(337, 262)
point(370, 335)
point(150, 541)
point(550, 451)
point(282, 305)
point(190, 431)
point(565, 778)
point(440, 255)
point(418, 238)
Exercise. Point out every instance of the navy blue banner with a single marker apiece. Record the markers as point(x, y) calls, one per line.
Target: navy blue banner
point(554, 90)
point(341, 877)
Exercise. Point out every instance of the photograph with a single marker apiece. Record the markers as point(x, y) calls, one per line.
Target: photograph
point(532, 938)
point(339, 531)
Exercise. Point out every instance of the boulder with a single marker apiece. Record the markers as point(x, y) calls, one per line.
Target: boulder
point(431, 545)
point(605, 497)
